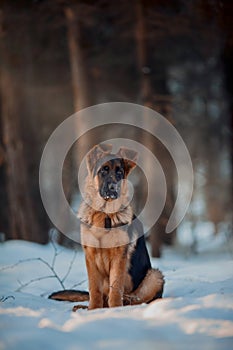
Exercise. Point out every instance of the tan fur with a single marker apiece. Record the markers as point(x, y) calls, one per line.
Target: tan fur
point(93, 203)
point(108, 251)
point(106, 280)
point(105, 238)
point(148, 289)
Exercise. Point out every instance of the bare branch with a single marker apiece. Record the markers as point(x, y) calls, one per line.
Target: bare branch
point(3, 299)
point(50, 266)
point(78, 284)
point(36, 259)
point(23, 285)
point(18, 263)
point(53, 271)
point(70, 266)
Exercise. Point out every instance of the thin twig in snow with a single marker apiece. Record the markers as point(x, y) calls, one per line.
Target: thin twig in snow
point(56, 252)
point(3, 299)
point(70, 267)
point(18, 263)
point(51, 267)
point(23, 285)
point(78, 284)
point(36, 259)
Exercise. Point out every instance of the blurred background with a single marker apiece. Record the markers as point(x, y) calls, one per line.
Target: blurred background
point(174, 56)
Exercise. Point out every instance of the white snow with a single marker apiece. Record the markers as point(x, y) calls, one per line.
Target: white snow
point(195, 313)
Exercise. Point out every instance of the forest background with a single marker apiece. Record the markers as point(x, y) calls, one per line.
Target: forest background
point(58, 57)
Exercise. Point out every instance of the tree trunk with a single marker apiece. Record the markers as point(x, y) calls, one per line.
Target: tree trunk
point(81, 97)
point(20, 204)
point(142, 59)
point(79, 73)
point(147, 88)
point(77, 62)
point(22, 221)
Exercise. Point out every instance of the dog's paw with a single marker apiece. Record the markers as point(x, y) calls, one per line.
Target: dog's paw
point(78, 307)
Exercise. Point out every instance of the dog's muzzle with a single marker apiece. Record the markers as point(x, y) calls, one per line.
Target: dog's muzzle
point(111, 191)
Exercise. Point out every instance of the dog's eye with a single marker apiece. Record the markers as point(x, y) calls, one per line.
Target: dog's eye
point(119, 171)
point(105, 169)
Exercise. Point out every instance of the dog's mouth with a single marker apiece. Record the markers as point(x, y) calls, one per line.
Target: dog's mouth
point(110, 192)
point(110, 196)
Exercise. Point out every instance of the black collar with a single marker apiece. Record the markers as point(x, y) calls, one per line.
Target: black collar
point(107, 222)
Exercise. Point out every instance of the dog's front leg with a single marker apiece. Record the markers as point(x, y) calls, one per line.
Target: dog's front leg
point(117, 277)
point(95, 280)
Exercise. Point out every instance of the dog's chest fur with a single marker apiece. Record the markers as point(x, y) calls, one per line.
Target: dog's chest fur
point(96, 233)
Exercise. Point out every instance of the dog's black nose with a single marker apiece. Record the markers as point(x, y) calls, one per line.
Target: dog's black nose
point(112, 187)
point(111, 191)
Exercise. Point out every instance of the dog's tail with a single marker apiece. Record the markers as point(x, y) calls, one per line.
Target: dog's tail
point(70, 295)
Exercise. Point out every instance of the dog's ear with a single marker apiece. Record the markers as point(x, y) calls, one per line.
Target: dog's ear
point(96, 153)
point(130, 158)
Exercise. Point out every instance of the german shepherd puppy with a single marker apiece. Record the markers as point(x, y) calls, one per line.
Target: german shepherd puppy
point(117, 260)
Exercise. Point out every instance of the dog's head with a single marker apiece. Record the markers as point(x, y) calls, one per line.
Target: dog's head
point(108, 170)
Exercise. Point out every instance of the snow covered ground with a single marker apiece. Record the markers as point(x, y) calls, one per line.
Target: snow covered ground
point(195, 313)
